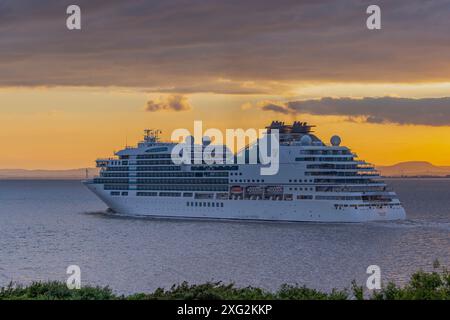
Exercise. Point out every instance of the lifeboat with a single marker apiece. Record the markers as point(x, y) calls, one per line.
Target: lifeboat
point(236, 189)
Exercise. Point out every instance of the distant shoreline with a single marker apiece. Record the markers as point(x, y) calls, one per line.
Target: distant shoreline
point(403, 170)
point(417, 178)
point(81, 179)
point(40, 179)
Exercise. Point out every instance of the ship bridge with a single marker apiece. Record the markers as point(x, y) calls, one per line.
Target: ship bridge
point(294, 133)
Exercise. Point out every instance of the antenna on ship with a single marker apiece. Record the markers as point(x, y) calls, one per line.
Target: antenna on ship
point(156, 134)
point(152, 135)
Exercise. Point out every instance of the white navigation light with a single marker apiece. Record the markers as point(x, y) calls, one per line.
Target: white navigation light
point(306, 140)
point(335, 141)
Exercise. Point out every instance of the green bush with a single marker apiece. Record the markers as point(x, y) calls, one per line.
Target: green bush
point(54, 291)
point(421, 286)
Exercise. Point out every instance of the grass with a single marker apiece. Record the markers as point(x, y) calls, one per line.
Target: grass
point(421, 286)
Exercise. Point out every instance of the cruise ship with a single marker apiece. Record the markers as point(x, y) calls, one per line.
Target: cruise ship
point(316, 182)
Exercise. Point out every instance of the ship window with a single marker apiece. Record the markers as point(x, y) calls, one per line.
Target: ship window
point(240, 173)
point(187, 204)
point(290, 180)
point(147, 194)
point(221, 204)
point(124, 193)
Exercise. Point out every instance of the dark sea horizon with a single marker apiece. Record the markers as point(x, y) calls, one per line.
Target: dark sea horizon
point(47, 225)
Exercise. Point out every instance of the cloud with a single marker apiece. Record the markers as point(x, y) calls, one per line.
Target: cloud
point(225, 86)
point(426, 111)
point(184, 46)
point(276, 108)
point(170, 103)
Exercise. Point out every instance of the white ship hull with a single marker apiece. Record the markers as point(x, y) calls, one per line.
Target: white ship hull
point(313, 182)
point(268, 210)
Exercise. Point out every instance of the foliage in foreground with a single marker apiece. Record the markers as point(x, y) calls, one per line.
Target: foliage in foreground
point(422, 285)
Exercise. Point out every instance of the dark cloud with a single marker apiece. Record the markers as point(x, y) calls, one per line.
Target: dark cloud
point(427, 111)
point(170, 103)
point(276, 108)
point(188, 45)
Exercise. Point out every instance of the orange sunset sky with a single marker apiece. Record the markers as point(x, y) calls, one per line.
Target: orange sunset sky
point(69, 97)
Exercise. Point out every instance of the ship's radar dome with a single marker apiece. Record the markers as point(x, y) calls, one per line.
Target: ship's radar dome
point(335, 141)
point(306, 140)
point(189, 140)
point(206, 141)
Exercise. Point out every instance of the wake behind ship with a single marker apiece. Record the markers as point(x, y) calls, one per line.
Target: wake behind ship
point(315, 183)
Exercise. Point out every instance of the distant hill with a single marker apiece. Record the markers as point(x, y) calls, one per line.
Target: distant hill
point(73, 174)
point(414, 168)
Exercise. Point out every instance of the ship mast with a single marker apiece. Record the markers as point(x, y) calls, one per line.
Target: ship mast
point(152, 135)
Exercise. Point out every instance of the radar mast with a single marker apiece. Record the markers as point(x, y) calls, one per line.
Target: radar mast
point(152, 135)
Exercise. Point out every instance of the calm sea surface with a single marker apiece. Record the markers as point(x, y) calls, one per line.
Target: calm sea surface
point(46, 226)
